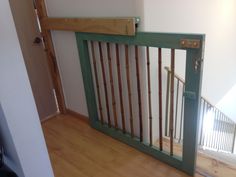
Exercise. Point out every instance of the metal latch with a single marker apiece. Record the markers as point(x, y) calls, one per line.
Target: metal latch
point(190, 95)
point(190, 43)
point(197, 64)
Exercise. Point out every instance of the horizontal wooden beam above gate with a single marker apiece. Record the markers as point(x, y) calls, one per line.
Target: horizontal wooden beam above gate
point(116, 26)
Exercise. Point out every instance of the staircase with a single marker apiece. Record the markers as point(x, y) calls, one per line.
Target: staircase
point(216, 132)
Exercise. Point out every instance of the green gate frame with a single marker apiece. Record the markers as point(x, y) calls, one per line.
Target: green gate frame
point(193, 79)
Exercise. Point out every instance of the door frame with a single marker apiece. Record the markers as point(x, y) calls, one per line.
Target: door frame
point(51, 57)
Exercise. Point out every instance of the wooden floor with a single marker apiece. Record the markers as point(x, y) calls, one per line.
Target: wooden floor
point(206, 165)
point(77, 150)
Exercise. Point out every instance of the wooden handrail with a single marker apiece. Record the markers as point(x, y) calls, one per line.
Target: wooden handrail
point(206, 100)
point(176, 76)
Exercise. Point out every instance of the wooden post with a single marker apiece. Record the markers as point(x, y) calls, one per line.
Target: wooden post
point(105, 83)
point(112, 85)
point(139, 94)
point(52, 62)
point(129, 89)
point(97, 83)
point(120, 88)
point(149, 95)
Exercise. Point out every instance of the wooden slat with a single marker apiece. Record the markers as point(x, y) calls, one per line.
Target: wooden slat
point(116, 26)
point(51, 57)
point(105, 83)
point(120, 88)
point(139, 94)
point(112, 85)
point(129, 90)
point(160, 94)
point(97, 83)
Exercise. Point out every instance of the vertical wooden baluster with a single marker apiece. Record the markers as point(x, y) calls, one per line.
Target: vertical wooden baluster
point(234, 136)
point(160, 96)
point(149, 95)
point(181, 114)
point(202, 120)
point(213, 127)
point(211, 133)
point(112, 86)
point(104, 82)
point(204, 139)
point(129, 90)
point(224, 132)
point(139, 94)
point(176, 107)
point(172, 99)
point(97, 83)
point(229, 130)
point(120, 88)
point(229, 127)
point(217, 128)
point(207, 134)
point(167, 102)
point(220, 128)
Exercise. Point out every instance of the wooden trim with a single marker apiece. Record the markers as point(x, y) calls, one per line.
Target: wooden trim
point(51, 58)
point(78, 115)
point(116, 26)
point(49, 117)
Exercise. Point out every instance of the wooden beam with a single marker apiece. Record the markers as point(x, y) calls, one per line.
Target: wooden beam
point(51, 57)
point(116, 26)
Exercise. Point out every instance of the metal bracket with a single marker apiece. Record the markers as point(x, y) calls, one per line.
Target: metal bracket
point(190, 95)
point(190, 43)
point(197, 64)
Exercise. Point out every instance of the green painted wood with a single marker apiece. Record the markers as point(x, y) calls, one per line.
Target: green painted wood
point(164, 156)
point(193, 84)
point(87, 78)
point(162, 40)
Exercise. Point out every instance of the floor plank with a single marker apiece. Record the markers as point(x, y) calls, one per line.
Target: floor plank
point(77, 150)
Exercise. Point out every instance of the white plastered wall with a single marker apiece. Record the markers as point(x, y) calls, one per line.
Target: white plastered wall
point(216, 19)
point(26, 151)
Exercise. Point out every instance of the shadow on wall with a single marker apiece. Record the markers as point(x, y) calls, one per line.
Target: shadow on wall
point(10, 156)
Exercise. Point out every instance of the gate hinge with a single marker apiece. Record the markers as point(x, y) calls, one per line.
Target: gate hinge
point(190, 43)
point(190, 95)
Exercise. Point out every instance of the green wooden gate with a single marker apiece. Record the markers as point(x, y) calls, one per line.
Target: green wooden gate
point(194, 45)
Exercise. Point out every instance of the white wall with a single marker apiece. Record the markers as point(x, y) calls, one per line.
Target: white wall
point(228, 102)
point(65, 43)
point(216, 19)
point(10, 155)
point(29, 156)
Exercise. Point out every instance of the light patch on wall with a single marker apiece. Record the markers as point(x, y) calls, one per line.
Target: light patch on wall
point(227, 9)
point(228, 102)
